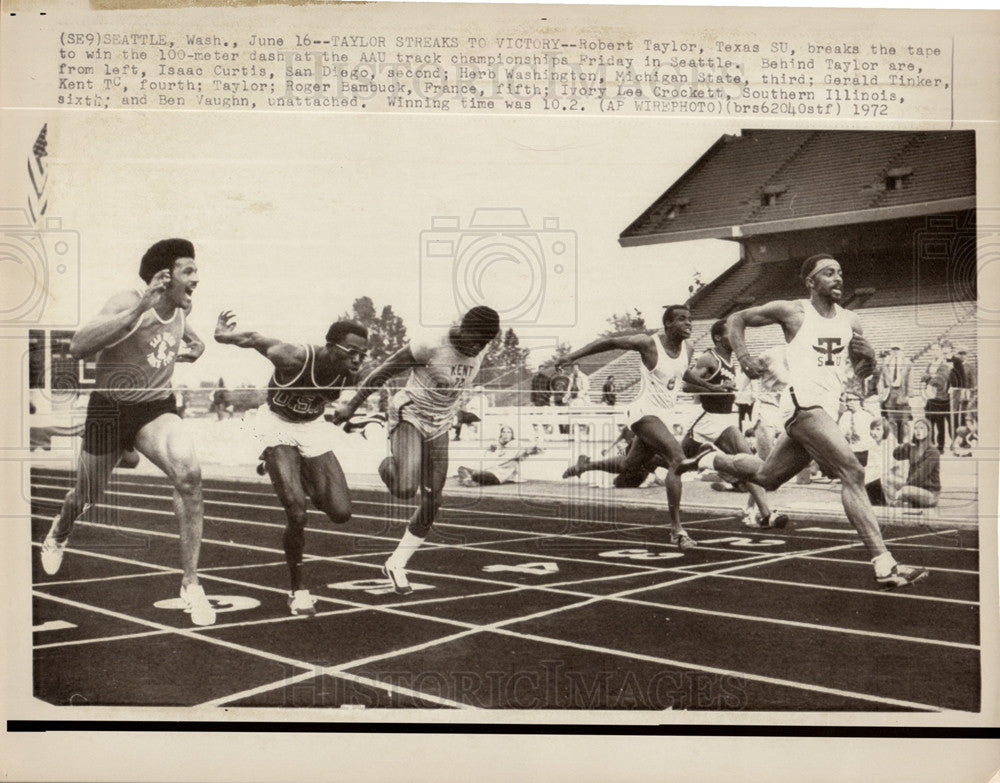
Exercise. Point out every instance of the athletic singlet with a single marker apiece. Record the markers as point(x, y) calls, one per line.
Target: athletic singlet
point(139, 366)
point(661, 384)
point(434, 389)
point(724, 373)
point(303, 398)
point(818, 360)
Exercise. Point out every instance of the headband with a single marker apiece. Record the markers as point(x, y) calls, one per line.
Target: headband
point(823, 263)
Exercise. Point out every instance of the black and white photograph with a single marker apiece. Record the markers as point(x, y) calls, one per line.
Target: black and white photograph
point(440, 365)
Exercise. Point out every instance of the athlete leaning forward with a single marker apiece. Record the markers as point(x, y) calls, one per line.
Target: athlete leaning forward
point(137, 337)
point(421, 414)
point(664, 368)
point(821, 337)
point(297, 451)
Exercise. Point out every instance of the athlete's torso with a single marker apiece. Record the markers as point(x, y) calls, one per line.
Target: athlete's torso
point(138, 367)
point(303, 398)
point(818, 358)
point(725, 374)
point(434, 389)
point(661, 384)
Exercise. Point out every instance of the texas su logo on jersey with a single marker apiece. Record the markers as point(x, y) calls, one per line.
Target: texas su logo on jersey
point(164, 351)
point(829, 350)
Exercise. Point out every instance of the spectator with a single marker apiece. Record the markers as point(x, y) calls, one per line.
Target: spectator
point(500, 463)
point(923, 479)
point(856, 424)
point(894, 381)
point(965, 393)
point(221, 403)
point(936, 382)
point(744, 401)
point(956, 382)
point(884, 475)
point(966, 437)
point(579, 386)
point(608, 395)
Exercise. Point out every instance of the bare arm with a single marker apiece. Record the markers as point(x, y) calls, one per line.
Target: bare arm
point(118, 317)
point(193, 346)
point(284, 356)
point(642, 343)
point(694, 377)
point(788, 314)
point(401, 361)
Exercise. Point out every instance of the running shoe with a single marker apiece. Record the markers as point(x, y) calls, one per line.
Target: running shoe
point(52, 554)
point(577, 467)
point(683, 540)
point(397, 575)
point(774, 520)
point(301, 602)
point(465, 476)
point(901, 575)
point(196, 604)
point(691, 463)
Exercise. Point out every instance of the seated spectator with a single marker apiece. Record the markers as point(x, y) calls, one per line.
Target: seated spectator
point(500, 462)
point(884, 474)
point(966, 437)
point(923, 479)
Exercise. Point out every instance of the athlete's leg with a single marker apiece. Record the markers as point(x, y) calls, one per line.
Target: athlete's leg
point(732, 441)
point(401, 470)
point(327, 486)
point(92, 474)
point(656, 437)
point(786, 459)
point(284, 465)
point(821, 437)
point(433, 473)
point(166, 443)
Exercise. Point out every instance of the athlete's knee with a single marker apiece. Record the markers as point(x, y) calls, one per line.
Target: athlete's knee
point(187, 478)
point(338, 511)
point(296, 511)
point(850, 472)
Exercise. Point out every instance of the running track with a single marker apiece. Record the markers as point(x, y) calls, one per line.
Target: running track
point(518, 605)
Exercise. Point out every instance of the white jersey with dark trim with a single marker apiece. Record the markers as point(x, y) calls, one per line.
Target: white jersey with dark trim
point(818, 358)
point(434, 389)
point(660, 385)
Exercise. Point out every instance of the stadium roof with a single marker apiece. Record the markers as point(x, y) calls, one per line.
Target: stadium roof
point(771, 181)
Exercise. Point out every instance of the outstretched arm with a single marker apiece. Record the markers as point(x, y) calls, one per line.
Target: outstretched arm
point(788, 314)
point(400, 361)
point(118, 317)
point(284, 356)
point(642, 343)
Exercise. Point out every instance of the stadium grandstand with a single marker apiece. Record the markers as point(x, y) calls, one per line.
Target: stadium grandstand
point(897, 209)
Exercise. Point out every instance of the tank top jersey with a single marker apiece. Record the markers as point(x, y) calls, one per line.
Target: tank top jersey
point(434, 389)
point(303, 398)
point(138, 367)
point(818, 358)
point(660, 386)
point(724, 373)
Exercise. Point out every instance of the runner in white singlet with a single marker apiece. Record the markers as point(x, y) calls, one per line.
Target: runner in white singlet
point(665, 360)
point(420, 417)
point(821, 338)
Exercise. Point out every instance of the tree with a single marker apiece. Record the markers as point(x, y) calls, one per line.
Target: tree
point(505, 360)
point(386, 331)
point(625, 323)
